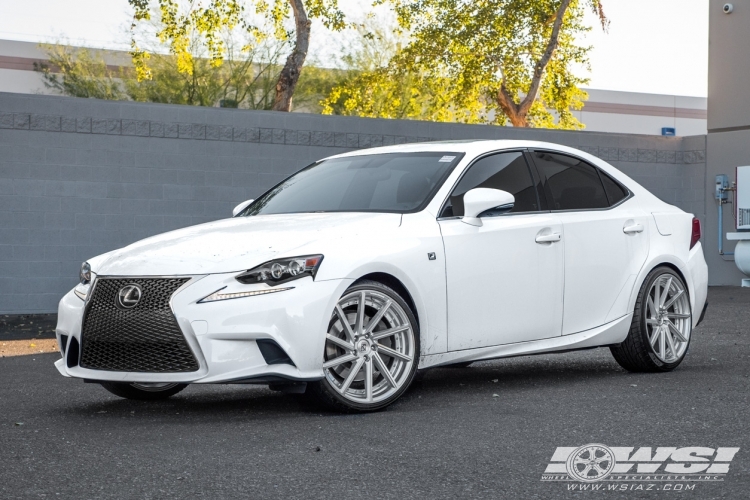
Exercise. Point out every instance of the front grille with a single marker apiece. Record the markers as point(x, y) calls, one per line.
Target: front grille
point(145, 338)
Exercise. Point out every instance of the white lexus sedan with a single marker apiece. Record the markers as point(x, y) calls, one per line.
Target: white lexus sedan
point(349, 276)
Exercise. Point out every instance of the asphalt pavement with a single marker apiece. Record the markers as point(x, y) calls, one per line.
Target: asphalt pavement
point(487, 431)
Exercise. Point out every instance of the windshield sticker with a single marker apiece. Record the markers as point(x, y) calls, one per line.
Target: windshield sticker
point(447, 159)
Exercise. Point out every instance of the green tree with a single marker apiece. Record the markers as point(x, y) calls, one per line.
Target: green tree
point(495, 61)
point(377, 86)
point(247, 81)
point(80, 73)
point(185, 23)
point(245, 78)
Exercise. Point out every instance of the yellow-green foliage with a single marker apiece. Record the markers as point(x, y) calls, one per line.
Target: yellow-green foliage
point(461, 53)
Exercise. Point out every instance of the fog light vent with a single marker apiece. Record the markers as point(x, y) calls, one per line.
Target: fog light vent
point(273, 353)
point(73, 353)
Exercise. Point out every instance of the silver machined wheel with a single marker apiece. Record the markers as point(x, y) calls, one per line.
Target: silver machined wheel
point(370, 348)
point(668, 318)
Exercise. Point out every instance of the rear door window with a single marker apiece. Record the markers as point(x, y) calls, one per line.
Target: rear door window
point(615, 192)
point(570, 183)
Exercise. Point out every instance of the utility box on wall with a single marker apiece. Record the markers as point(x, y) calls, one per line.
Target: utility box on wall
point(743, 198)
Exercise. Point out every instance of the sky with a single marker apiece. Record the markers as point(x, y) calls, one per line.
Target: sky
point(654, 46)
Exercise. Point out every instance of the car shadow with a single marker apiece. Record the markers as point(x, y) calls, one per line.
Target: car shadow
point(229, 402)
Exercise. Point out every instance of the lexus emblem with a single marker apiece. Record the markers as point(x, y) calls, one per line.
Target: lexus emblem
point(129, 296)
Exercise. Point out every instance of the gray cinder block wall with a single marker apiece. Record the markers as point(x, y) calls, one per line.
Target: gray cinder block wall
point(79, 177)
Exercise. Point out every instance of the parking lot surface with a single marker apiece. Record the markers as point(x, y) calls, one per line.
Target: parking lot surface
point(487, 431)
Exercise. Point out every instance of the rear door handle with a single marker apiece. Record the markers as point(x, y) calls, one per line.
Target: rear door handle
point(548, 238)
point(634, 228)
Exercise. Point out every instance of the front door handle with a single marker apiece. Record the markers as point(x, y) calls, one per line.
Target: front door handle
point(633, 228)
point(548, 238)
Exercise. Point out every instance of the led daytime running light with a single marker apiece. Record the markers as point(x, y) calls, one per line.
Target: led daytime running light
point(216, 296)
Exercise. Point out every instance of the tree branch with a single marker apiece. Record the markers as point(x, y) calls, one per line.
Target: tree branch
point(541, 64)
point(290, 74)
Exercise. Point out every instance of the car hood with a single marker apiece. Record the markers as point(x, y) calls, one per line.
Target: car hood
point(238, 244)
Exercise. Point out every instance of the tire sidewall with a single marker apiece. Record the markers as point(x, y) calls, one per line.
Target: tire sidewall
point(331, 392)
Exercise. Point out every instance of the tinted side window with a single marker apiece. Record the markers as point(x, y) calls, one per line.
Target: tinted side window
point(615, 192)
point(571, 183)
point(506, 171)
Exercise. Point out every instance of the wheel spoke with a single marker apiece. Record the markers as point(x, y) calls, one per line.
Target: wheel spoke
point(671, 344)
point(339, 361)
point(378, 316)
point(340, 342)
point(361, 313)
point(384, 370)
point(387, 333)
point(664, 295)
point(655, 337)
point(662, 345)
point(394, 354)
point(368, 380)
point(355, 370)
point(674, 298)
point(678, 315)
point(651, 307)
point(651, 321)
point(677, 333)
point(657, 294)
point(598, 468)
point(345, 321)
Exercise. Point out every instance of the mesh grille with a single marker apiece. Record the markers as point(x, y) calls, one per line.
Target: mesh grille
point(145, 338)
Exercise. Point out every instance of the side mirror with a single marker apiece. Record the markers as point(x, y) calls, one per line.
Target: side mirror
point(242, 206)
point(480, 200)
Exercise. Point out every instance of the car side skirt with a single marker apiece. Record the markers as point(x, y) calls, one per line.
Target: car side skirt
point(613, 332)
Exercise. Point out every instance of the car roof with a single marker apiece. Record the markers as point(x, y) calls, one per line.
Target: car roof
point(473, 146)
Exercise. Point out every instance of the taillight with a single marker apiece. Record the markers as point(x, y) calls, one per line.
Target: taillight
point(696, 235)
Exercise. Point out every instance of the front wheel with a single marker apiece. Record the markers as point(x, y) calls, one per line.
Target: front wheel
point(662, 322)
point(371, 349)
point(143, 391)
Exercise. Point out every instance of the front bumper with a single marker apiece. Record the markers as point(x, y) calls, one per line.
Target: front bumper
point(223, 335)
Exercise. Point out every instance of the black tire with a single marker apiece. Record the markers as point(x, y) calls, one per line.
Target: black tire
point(132, 391)
point(635, 353)
point(322, 390)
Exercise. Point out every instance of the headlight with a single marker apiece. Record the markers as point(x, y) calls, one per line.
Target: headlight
point(280, 271)
point(85, 273)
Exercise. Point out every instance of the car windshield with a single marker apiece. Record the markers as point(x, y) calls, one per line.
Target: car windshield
point(388, 182)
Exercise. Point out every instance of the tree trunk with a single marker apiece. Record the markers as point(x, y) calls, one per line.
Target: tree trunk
point(516, 113)
point(292, 70)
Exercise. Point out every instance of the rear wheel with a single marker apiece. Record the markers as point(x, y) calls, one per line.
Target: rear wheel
point(143, 390)
point(371, 350)
point(659, 335)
